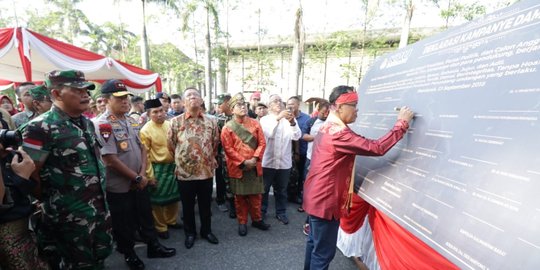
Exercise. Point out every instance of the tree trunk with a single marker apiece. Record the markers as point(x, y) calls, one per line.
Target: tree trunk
point(145, 59)
point(297, 52)
point(208, 63)
point(409, 8)
point(222, 75)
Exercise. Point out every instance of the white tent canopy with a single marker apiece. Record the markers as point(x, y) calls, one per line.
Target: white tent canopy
point(28, 56)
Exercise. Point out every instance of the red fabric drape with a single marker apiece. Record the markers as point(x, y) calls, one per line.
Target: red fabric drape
point(396, 247)
point(352, 222)
point(68, 49)
point(27, 66)
point(6, 34)
point(140, 71)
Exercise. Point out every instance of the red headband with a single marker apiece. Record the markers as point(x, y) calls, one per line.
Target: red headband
point(347, 98)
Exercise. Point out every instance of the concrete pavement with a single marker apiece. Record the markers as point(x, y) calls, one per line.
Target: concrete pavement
point(281, 247)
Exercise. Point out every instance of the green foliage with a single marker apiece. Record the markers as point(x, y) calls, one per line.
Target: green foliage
point(261, 67)
point(174, 66)
point(455, 10)
point(64, 21)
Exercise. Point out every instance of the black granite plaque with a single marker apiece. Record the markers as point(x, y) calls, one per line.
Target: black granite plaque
point(466, 177)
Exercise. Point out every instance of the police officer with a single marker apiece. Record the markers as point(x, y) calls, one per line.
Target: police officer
point(126, 163)
point(75, 232)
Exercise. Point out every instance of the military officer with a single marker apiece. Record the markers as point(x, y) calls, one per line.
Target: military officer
point(75, 232)
point(223, 190)
point(126, 162)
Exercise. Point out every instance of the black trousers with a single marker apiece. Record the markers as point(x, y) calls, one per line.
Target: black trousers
point(202, 190)
point(301, 167)
point(131, 211)
point(220, 185)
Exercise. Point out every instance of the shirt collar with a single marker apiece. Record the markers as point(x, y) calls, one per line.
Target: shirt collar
point(332, 117)
point(188, 114)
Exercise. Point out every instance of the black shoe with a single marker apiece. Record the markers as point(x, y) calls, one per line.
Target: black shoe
point(176, 226)
point(190, 240)
point(283, 219)
point(212, 239)
point(260, 225)
point(157, 250)
point(163, 235)
point(242, 229)
point(133, 261)
point(232, 214)
point(222, 207)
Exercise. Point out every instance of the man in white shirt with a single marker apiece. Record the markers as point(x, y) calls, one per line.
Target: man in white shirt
point(280, 129)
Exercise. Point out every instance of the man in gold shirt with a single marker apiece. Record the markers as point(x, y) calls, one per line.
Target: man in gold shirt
point(165, 196)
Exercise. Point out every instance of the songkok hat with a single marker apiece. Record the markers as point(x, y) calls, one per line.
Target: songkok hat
point(152, 103)
point(237, 99)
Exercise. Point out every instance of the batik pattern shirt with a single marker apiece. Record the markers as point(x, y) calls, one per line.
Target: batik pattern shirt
point(194, 140)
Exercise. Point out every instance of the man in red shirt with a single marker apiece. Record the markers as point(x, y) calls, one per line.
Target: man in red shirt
point(326, 196)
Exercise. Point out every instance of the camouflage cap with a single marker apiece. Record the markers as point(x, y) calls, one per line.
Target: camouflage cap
point(40, 93)
point(237, 99)
point(70, 78)
point(221, 98)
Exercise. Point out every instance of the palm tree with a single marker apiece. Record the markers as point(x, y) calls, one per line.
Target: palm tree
point(298, 49)
point(211, 19)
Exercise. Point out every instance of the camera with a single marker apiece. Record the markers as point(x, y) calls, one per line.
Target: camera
point(10, 138)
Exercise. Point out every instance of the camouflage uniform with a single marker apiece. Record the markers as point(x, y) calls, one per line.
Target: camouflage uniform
point(222, 119)
point(75, 231)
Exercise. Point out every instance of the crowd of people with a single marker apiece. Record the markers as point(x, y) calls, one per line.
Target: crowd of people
point(119, 167)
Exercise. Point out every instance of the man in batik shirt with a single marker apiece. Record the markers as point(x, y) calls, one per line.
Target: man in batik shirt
point(193, 138)
point(243, 141)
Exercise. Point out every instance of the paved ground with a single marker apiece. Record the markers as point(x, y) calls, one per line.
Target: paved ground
point(282, 247)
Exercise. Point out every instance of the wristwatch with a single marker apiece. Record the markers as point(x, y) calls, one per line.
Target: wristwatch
point(138, 179)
